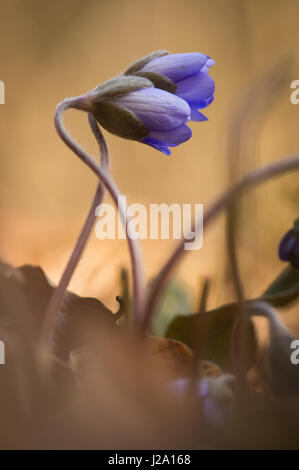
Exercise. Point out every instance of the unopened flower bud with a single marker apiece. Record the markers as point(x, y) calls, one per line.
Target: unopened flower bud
point(132, 108)
point(152, 101)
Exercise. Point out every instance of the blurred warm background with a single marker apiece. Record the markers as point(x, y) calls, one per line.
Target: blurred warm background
point(58, 48)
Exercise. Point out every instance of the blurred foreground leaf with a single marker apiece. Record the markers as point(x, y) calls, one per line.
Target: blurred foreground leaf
point(217, 325)
point(24, 295)
point(173, 360)
point(284, 289)
point(174, 300)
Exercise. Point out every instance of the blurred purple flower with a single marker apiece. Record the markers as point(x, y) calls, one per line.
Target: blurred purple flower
point(289, 246)
point(216, 394)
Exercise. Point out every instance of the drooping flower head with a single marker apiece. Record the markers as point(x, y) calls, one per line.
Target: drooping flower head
point(155, 98)
point(289, 246)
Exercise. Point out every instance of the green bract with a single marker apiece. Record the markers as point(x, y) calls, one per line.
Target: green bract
point(116, 119)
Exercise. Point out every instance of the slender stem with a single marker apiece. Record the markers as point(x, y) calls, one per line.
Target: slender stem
point(263, 309)
point(252, 179)
point(57, 298)
point(100, 140)
point(253, 105)
point(134, 248)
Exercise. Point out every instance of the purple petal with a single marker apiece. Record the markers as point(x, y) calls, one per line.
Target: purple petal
point(204, 103)
point(286, 246)
point(179, 387)
point(177, 66)
point(215, 413)
point(209, 63)
point(197, 115)
point(196, 89)
point(204, 388)
point(161, 148)
point(157, 109)
point(170, 138)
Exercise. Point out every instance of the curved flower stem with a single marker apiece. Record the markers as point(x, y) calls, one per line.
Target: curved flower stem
point(57, 298)
point(135, 253)
point(238, 349)
point(252, 108)
point(263, 309)
point(252, 179)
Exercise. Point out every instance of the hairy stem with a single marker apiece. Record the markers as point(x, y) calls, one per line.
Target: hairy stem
point(263, 309)
point(106, 180)
point(251, 180)
point(56, 301)
point(251, 109)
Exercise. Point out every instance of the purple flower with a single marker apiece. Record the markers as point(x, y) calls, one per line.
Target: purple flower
point(188, 74)
point(154, 99)
point(289, 246)
point(139, 111)
point(215, 393)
